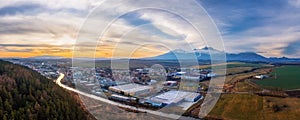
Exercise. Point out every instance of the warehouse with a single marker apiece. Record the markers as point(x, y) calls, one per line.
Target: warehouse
point(131, 89)
point(173, 97)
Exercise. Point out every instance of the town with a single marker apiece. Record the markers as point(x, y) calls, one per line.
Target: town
point(152, 87)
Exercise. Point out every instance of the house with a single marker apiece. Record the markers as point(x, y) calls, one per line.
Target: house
point(261, 76)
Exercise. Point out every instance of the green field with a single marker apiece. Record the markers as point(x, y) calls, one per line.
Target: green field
point(245, 65)
point(287, 77)
point(232, 65)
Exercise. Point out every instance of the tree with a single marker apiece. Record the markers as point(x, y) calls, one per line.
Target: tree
point(7, 106)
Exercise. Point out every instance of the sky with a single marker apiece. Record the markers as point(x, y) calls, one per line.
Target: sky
point(41, 27)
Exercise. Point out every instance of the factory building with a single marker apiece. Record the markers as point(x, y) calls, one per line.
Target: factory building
point(173, 97)
point(131, 89)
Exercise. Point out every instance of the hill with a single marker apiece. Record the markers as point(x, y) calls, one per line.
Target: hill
point(25, 94)
point(46, 57)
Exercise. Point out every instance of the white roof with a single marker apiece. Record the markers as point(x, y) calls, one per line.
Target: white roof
point(130, 87)
point(170, 82)
point(174, 96)
point(181, 72)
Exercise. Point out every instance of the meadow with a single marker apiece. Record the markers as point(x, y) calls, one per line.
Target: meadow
point(250, 106)
point(285, 77)
point(254, 107)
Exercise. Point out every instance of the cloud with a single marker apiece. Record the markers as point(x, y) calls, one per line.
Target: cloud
point(270, 40)
point(9, 49)
point(56, 23)
point(268, 27)
point(295, 3)
point(140, 27)
point(25, 9)
point(32, 28)
point(43, 28)
point(31, 45)
point(292, 49)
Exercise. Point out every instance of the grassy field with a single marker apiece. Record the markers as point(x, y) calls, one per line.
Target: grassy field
point(287, 77)
point(253, 107)
point(249, 106)
point(237, 106)
point(235, 67)
point(231, 65)
point(245, 87)
point(246, 65)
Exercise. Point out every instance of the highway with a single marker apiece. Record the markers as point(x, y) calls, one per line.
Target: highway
point(158, 113)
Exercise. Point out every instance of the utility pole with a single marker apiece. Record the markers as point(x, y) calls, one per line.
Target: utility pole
point(275, 74)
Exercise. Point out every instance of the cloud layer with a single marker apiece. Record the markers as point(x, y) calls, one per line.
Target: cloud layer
point(32, 28)
point(267, 27)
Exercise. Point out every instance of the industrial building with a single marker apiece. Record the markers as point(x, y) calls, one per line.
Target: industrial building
point(173, 97)
point(131, 89)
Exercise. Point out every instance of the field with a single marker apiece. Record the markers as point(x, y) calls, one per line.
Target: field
point(235, 67)
point(242, 104)
point(286, 77)
point(253, 107)
point(231, 65)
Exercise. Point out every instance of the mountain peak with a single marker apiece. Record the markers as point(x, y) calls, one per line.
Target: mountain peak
point(179, 51)
point(207, 48)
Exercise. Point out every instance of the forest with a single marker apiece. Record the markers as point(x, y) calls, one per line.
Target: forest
point(25, 94)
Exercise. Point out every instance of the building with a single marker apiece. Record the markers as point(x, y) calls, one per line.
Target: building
point(131, 89)
point(173, 97)
point(173, 77)
point(106, 83)
point(170, 83)
point(261, 76)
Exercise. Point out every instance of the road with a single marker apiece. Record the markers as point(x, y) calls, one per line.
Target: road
point(172, 116)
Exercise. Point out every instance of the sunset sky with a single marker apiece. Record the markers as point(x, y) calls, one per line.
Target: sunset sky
point(41, 27)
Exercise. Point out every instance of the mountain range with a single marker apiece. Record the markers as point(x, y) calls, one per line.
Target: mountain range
point(206, 52)
point(200, 54)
